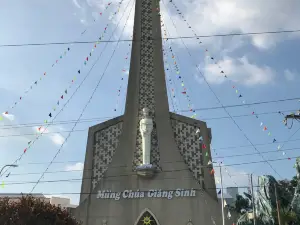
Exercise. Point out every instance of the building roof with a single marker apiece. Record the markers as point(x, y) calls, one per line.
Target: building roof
point(17, 195)
point(225, 195)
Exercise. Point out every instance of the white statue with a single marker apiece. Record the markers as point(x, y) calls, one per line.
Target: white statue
point(146, 127)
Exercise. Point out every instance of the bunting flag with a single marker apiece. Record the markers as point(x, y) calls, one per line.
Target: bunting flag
point(51, 113)
point(222, 71)
point(44, 74)
point(219, 192)
point(228, 215)
point(123, 75)
point(2, 185)
point(225, 203)
point(177, 70)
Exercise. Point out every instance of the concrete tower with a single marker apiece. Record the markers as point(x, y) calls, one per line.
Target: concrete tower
point(177, 189)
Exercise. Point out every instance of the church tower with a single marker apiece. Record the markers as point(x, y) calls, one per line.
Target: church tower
point(148, 166)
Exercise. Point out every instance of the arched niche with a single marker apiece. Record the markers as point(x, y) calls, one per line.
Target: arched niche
point(146, 218)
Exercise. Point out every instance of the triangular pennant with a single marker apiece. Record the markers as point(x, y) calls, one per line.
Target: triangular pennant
point(29, 142)
point(57, 102)
point(219, 192)
point(50, 115)
point(269, 133)
point(2, 185)
point(228, 215)
point(212, 172)
point(46, 121)
point(79, 71)
point(209, 163)
point(62, 97)
point(274, 140)
point(278, 147)
point(1, 118)
point(265, 128)
point(283, 153)
point(225, 203)
point(204, 146)
point(206, 154)
point(25, 150)
point(66, 91)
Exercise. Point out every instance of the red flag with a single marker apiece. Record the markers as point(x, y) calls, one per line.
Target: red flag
point(6, 112)
point(204, 146)
point(184, 92)
point(25, 150)
point(87, 58)
point(265, 128)
point(252, 113)
point(212, 171)
point(62, 97)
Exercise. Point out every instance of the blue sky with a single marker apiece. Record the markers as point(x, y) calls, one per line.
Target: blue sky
point(262, 67)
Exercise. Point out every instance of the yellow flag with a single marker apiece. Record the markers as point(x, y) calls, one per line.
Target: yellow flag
point(2, 185)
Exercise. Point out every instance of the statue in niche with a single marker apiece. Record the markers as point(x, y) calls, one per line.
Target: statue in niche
point(146, 127)
point(146, 169)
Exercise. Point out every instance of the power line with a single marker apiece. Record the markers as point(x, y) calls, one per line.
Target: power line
point(87, 120)
point(134, 174)
point(120, 166)
point(218, 99)
point(94, 91)
point(169, 38)
point(73, 94)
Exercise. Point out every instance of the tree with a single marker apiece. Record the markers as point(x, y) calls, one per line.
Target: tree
point(32, 211)
point(241, 204)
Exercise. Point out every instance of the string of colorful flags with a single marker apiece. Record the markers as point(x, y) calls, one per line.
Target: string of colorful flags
point(179, 76)
point(125, 73)
point(194, 115)
point(238, 92)
point(94, 91)
point(42, 129)
point(172, 88)
point(9, 110)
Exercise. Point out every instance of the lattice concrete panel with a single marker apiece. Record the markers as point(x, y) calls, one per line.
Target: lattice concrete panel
point(189, 146)
point(105, 145)
point(146, 91)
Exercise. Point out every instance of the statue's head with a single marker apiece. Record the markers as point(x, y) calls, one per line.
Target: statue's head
point(146, 112)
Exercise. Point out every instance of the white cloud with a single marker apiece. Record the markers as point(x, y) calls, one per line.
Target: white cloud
point(76, 4)
point(239, 70)
point(231, 16)
point(56, 138)
point(289, 75)
point(76, 166)
point(10, 117)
